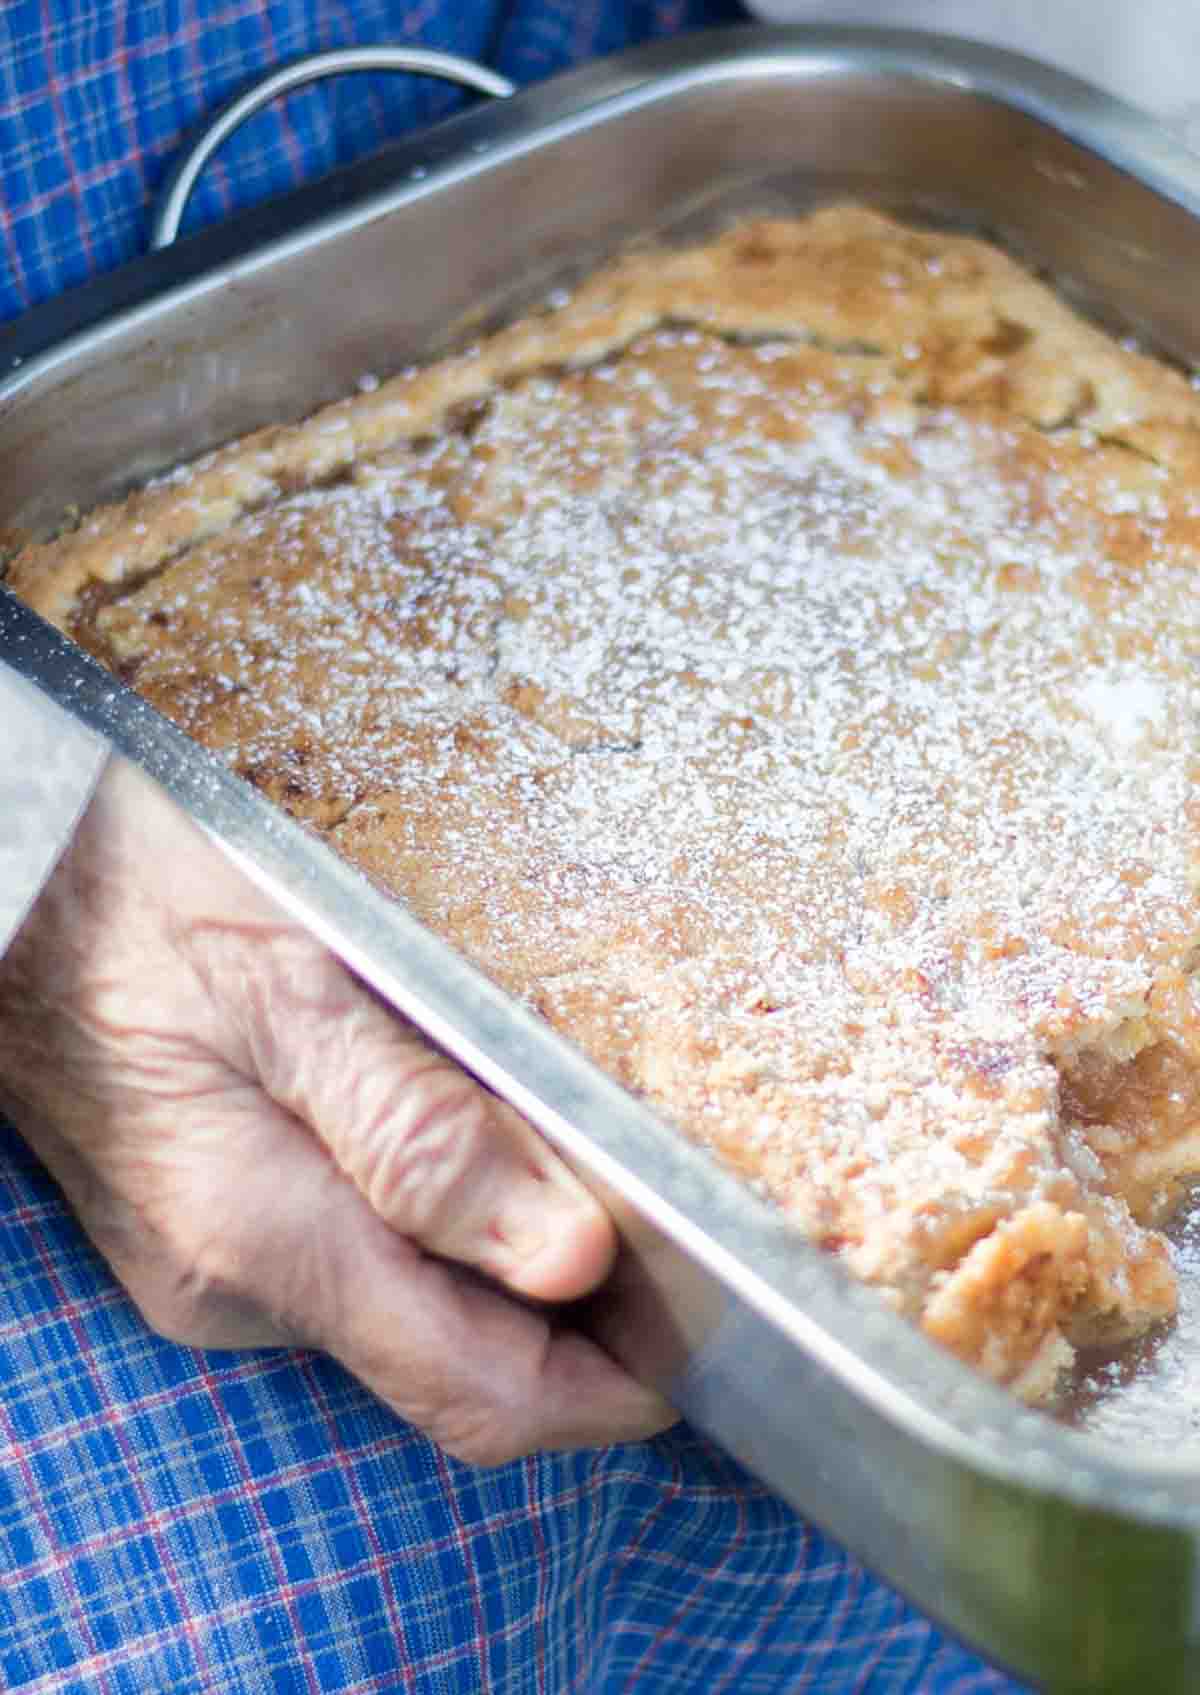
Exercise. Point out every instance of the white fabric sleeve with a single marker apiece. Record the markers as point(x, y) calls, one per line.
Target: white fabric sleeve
point(49, 765)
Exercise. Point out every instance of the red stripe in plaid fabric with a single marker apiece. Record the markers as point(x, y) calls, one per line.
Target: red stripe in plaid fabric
point(102, 1662)
point(252, 1495)
point(54, 88)
point(280, 1477)
point(887, 1639)
point(632, 1549)
point(18, 105)
point(747, 1649)
point(216, 172)
point(379, 1563)
point(845, 1609)
point(543, 1573)
point(116, 1424)
point(291, 142)
point(462, 1542)
point(115, 1298)
point(93, 176)
point(134, 155)
point(63, 1566)
point(669, 1630)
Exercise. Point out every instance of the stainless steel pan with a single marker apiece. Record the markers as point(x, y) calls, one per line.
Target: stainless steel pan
point(1071, 1559)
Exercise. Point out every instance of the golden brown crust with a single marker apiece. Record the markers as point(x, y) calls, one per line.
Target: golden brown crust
point(775, 663)
point(961, 321)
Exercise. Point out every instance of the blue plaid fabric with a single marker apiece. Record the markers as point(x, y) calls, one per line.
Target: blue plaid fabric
point(178, 1521)
point(95, 94)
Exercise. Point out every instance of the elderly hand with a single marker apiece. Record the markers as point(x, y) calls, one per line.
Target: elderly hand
point(264, 1154)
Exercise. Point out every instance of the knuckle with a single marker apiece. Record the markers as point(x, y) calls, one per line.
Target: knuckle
point(491, 1418)
point(415, 1147)
point(471, 1412)
point(176, 1301)
point(194, 1290)
point(280, 987)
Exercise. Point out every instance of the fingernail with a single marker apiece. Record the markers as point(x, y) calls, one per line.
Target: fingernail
point(557, 1241)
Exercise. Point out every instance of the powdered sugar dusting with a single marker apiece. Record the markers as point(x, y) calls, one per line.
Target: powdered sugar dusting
point(1126, 709)
point(813, 755)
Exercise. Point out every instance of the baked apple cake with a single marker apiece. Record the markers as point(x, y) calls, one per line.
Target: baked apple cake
point(777, 663)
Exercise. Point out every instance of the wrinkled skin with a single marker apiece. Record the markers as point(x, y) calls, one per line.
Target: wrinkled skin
point(264, 1154)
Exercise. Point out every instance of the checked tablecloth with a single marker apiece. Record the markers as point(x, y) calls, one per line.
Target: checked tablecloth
point(178, 1521)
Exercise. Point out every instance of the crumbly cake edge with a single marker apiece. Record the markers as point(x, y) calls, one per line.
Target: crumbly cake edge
point(979, 338)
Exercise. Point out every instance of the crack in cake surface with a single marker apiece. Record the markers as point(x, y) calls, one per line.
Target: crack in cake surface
point(807, 735)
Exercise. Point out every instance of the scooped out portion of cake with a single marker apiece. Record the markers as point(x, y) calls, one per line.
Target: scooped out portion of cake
point(777, 663)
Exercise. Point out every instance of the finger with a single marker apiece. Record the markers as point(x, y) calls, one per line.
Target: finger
point(530, 1386)
point(231, 1226)
point(486, 1378)
point(437, 1157)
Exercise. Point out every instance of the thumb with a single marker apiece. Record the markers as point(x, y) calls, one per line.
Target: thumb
point(437, 1157)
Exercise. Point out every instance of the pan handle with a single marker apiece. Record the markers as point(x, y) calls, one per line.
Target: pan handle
point(182, 177)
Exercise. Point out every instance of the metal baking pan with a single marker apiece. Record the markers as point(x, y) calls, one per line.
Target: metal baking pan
point(1070, 1558)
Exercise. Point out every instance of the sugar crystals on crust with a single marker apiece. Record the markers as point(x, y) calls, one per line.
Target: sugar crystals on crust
point(776, 664)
